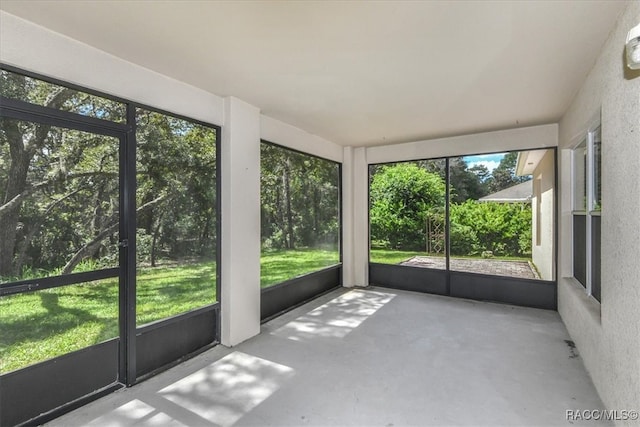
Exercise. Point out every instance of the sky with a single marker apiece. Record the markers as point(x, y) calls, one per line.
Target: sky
point(491, 161)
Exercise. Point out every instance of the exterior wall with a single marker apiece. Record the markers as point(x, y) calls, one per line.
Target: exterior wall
point(544, 136)
point(278, 132)
point(543, 253)
point(607, 335)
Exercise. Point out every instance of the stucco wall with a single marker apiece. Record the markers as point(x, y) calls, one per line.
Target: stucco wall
point(607, 335)
point(477, 143)
point(543, 250)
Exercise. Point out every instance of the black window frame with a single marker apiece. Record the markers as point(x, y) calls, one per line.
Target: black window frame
point(448, 192)
point(340, 207)
point(22, 110)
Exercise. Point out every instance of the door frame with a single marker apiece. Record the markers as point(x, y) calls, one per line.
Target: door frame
point(135, 362)
point(65, 382)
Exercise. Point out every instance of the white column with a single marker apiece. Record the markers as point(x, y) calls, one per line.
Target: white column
point(348, 264)
point(355, 218)
point(240, 182)
point(360, 217)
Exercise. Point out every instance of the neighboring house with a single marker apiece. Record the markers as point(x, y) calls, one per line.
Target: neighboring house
point(539, 164)
point(519, 193)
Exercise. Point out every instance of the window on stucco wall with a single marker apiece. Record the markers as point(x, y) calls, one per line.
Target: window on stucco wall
point(587, 205)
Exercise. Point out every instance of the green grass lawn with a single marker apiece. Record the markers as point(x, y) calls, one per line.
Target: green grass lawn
point(278, 266)
point(387, 256)
point(40, 325)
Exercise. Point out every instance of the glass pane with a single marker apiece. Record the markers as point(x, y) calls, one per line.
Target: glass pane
point(580, 177)
point(40, 325)
point(407, 213)
point(580, 249)
point(176, 216)
point(59, 194)
point(492, 231)
point(50, 95)
point(597, 172)
point(300, 207)
point(595, 256)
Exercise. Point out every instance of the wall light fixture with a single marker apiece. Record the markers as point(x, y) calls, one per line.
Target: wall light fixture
point(633, 48)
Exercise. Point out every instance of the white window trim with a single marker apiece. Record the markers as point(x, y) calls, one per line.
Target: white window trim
point(589, 212)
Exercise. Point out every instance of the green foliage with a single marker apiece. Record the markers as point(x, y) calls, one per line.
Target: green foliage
point(502, 228)
point(299, 200)
point(407, 198)
point(402, 197)
point(467, 183)
point(387, 256)
point(504, 176)
point(39, 92)
point(464, 239)
point(176, 162)
point(67, 186)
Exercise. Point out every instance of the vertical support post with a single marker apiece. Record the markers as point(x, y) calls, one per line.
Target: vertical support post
point(361, 217)
point(355, 218)
point(240, 238)
point(127, 288)
point(348, 265)
point(447, 224)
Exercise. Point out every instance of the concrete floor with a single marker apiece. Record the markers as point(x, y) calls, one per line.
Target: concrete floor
point(374, 357)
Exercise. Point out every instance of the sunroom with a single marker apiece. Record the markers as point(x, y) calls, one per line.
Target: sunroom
point(270, 213)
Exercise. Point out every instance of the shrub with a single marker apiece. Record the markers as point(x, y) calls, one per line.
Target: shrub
point(501, 228)
point(402, 196)
point(464, 240)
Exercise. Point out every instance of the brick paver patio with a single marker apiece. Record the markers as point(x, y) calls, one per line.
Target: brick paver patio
point(520, 269)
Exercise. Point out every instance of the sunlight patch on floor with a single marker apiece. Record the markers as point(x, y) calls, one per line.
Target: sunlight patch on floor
point(136, 413)
point(228, 389)
point(336, 318)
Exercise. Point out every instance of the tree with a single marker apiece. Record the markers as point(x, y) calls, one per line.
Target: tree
point(299, 200)
point(482, 172)
point(176, 167)
point(402, 197)
point(46, 168)
point(504, 176)
point(465, 183)
point(23, 142)
point(59, 187)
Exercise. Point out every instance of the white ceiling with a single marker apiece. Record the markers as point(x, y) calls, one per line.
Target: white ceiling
point(358, 73)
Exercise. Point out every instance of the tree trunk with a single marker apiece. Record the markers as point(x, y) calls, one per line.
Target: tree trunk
point(154, 241)
point(316, 215)
point(16, 185)
point(91, 247)
point(278, 215)
point(204, 236)
point(287, 192)
point(33, 229)
point(21, 152)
